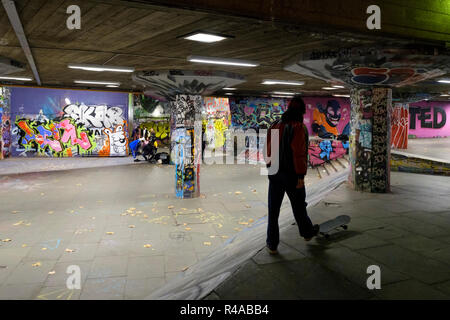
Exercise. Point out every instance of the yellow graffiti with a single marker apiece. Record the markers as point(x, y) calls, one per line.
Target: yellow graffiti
point(219, 131)
point(161, 128)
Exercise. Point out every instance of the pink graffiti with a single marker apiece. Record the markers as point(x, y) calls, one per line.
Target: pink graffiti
point(70, 132)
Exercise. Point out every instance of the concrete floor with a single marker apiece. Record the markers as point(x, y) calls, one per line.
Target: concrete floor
point(406, 233)
point(438, 148)
point(122, 225)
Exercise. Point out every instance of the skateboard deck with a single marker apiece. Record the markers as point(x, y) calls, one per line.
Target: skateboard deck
point(338, 222)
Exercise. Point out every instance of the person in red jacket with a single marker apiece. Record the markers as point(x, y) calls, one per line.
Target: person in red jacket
point(289, 178)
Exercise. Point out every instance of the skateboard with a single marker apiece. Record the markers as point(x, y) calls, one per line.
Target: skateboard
point(330, 225)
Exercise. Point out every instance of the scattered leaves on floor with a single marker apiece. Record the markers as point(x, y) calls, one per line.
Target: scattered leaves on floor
point(147, 245)
point(52, 272)
point(109, 233)
point(37, 264)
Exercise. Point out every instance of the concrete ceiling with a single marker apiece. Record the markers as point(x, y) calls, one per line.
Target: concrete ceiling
point(121, 33)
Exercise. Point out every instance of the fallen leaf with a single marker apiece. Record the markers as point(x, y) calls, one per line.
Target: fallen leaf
point(248, 206)
point(15, 211)
point(109, 233)
point(187, 229)
point(51, 212)
point(243, 222)
point(212, 236)
point(132, 209)
point(52, 272)
point(70, 250)
point(250, 220)
point(37, 264)
point(43, 249)
point(147, 245)
point(123, 214)
point(207, 243)
point(131, 226)
point(185, 268)
point(81, 207)
point(138, 212)
point(171, 207)
point(93, 218)
point(237, 229)
point(184, 209)
point(24, 245)
point(6, 240)
point(18, 223)
point(224, 237)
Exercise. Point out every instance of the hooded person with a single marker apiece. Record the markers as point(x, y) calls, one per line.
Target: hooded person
point(287, 173)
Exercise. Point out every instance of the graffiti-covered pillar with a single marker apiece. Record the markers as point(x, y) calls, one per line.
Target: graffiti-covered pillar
point(370, 139)
point(400, 126)
point(186, 144)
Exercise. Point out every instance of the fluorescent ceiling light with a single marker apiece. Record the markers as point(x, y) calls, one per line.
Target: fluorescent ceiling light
point(341, 95)
point(204, 37)
point(112, 86)
point(229, 89)
point(328, 88)
point(104, 83)
point(285, 93)
point(229, 94)
point(338, 87)
point(99, 68)
point(289, 83)
point(222, 61)
point(281, 96)
point(445, 95)
point(16, 78)
point(444, 81)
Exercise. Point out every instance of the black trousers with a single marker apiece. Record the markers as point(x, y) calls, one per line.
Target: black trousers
point(280, 184)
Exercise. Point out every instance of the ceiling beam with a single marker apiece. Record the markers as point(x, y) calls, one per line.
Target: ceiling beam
point(14, 18)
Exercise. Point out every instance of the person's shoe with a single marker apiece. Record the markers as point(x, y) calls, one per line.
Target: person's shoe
point(136, 160)
point(271, 252)
point(316, 229)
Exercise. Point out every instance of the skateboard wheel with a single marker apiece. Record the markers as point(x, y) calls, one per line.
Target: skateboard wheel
point(345, 227)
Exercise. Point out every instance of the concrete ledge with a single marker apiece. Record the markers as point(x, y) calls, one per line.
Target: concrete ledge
point(413, 163)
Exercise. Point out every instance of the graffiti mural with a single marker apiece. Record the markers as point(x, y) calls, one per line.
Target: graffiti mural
point(429, 119)
point(67, 123)
point(327, 120)
point(5, 123)
point(217, 120)
point(394, 67)
point(186, 149)
point(161, 127)
point(369, 139)
point(62, 138)
point(399, 126)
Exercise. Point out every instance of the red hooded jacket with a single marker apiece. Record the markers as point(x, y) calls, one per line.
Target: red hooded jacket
point(299, 145)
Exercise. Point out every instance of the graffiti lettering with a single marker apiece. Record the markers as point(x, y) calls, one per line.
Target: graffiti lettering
point(95, 117)
point(424, 115)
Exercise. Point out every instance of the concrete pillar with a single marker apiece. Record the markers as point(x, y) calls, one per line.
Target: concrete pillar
point(186, 144)
point(370, 139)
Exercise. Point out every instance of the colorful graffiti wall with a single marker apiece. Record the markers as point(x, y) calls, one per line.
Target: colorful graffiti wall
point(217, 119)
point(399, 126)
point(186, 149)
point(68, 123)
point(369, 139)
point(327, 120)
point(429, 119)
point(5, 122)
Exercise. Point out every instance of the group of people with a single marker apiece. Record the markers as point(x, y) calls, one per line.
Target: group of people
point(143, 143)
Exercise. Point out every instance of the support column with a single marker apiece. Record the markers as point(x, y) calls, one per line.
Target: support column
point(186, 145)
point(370, 139)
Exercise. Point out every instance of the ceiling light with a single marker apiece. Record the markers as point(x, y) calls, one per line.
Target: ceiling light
point(98, 83)
point(444, 95)
point(280, 96)
point(328, 88)
point(284, 93)
point(204, 37)
point(112, 86)
point(229, 94)
point(444, 81)
point(99, 68)
point(229, 89)
point(341, 95)
point(222, 61)
point(338, 87)
point(16, 78)
point(289, 83)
